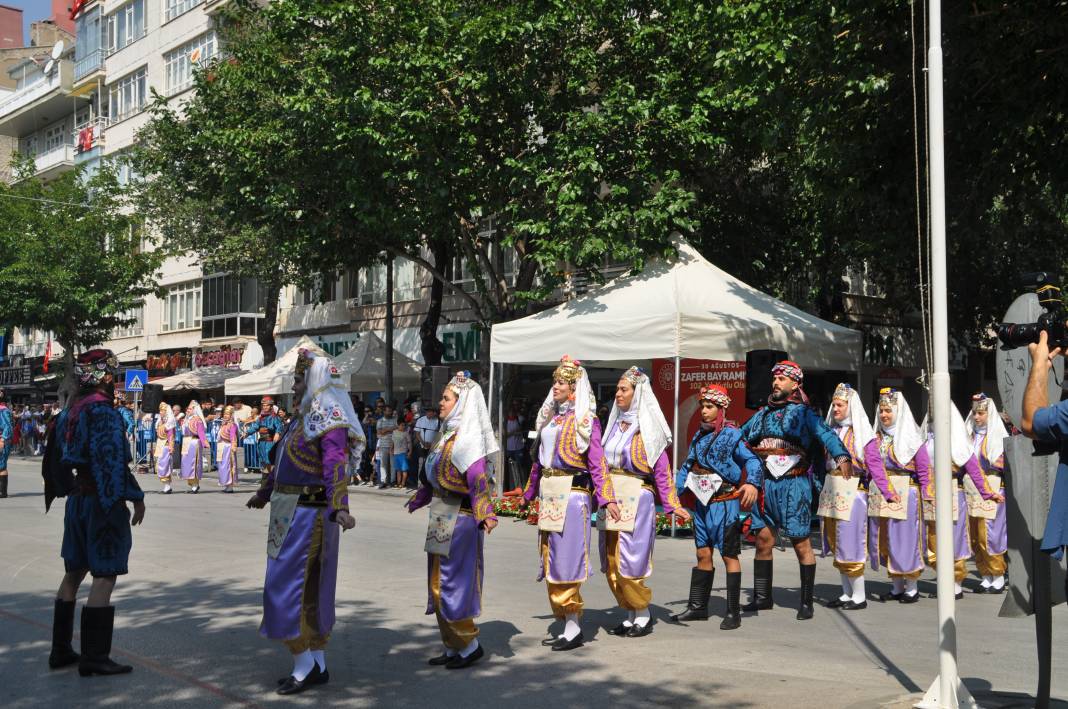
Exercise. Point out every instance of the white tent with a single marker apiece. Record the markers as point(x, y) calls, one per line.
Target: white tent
point(276, 378)
point(365, 363)
point(684, 308)
point(201, 379)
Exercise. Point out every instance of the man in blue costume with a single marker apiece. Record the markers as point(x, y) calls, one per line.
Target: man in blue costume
point(88, 461)
point(790, 437)
point(269, 429)
point(724, 476)
point(7, 430)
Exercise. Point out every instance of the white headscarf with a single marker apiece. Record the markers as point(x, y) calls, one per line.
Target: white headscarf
point(469, 423)
point(169, 422)
point(645, 412)
point(197, 412)
point(585, 406)
point(857, 418)
point(996, 433)
point(905, 432)
point(326, 404)
point(961, 445)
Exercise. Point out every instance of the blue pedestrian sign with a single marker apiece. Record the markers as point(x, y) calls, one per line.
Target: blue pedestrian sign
point(136, 379)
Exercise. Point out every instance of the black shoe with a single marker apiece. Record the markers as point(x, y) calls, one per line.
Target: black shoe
point(459, 662)
point(836, 603)
point(292, 685)
point(996, 591)
point(808, 582)
point(442, 659)
point(62, 654)
point(982, 589)
point(733, 619)
point(563, 644)
point(97, 627)
point(891, 596)
point(620, 629)
point(852, 605)
point(906, 598)
point(700, 589)
point(762, 600)
point(321, 677)
point(640, 631)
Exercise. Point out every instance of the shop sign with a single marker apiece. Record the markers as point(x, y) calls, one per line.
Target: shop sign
point(223, 357)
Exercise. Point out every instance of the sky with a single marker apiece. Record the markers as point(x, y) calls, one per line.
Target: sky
point(32, 10)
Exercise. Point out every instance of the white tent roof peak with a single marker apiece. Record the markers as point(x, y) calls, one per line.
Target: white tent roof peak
point(365, 365)
point(275, 378)
point(680, 307)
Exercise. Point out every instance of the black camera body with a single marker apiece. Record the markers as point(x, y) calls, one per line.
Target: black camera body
point(1052, 322)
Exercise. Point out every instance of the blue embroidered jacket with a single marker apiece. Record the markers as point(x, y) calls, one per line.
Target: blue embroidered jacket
point(98, 447)
point(798, 424)
point(724, 453)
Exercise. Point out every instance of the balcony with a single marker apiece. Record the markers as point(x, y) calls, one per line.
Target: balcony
point(55, 161)
point(90, 135)
point(87, 67)
point(39, 104)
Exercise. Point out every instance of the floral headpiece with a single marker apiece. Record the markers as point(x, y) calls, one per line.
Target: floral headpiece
point(791, 370)
point(461, 381)
point(715, 394)
point(91, 367)
point(888, 396)
point(304, 361)
point(266, 400)
point(570, 370)
point(635, 375)
point(980, 402)
point(843, 391)
point(228, 410)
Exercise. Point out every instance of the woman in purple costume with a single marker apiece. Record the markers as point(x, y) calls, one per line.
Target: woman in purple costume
point(636, 434)
point(457, 489)
point(846, 540)
point(226, 450)
point(165, 430)
point(308, 492)
point(897, 543)
point(569, 458)
point(990, 537)
point(194, 443)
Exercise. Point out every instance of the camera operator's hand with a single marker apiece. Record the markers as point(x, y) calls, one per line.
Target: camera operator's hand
point(1041, 357)
point(1035, 395)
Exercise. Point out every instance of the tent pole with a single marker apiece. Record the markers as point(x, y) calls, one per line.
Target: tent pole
point(501, 438)
point(675, 431)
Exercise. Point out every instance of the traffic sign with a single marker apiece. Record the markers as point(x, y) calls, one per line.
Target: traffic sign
point(136, 379)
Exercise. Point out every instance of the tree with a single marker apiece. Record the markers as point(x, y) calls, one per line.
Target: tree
point(74, 262)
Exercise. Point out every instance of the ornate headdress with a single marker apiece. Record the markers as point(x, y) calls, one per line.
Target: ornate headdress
point(636, 376)
point(888, 396)
point(304, 361)
point(843, 392)
point(91, 367)
point(789, 369)
point(461, 381)
point(715, 394)
point(268, 399)
point(228, 410)
point(980, 402)
point(569, 370)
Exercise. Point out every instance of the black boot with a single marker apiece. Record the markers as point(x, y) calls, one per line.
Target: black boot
point(761, 587)
point(700, 590)
point(808, 580)
point(97, 626)
point(733, 619)
point(3, 486)
point(62, 632)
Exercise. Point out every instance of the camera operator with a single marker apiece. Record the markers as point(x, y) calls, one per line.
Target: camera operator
point(1049, 424)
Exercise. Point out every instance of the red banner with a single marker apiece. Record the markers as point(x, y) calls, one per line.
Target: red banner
point(694, 374)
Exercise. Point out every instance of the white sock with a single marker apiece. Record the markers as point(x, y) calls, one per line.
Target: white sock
point(303, 662)
point(988, 581)
point(641, 618)
point(847, 588)
point(629, 620)
point(320, 659)
point(999, 583)
point(956, 587)
point(471, 647)
point(449, 652)
point(571, 627)
point(859, 595)
point(911, 587)
point(167, 487)
point(898, 585)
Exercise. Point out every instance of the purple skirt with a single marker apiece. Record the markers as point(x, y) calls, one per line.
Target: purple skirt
point(303, 579)
point(228, 464)
point(850, 537)
point(566, 558)
point(896, 543)
point(460, 575)
point(191, 467)
point(997, 531)
point(163, 463)
point(635, 548)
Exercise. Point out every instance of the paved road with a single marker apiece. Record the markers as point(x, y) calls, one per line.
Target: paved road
point(189, 611)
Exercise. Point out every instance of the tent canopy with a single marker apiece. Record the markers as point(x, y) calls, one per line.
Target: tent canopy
point(276, 378)
point(201, 379)
point(685, 307)
point(365, 363)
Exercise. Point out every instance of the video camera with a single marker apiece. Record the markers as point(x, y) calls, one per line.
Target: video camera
point(1013, 335)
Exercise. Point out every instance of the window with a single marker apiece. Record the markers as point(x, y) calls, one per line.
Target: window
point(232, 306)
point(369, 286)
point(127, 95)
point(179, 63)
point(181, 307)
point(135, 328)
point(28, 145)
point(126, 26)
point(173, 8)
point(322, 290)
point(55, 137)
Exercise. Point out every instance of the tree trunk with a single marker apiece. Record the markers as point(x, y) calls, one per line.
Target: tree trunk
point(265, 335)
point(430, 345)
